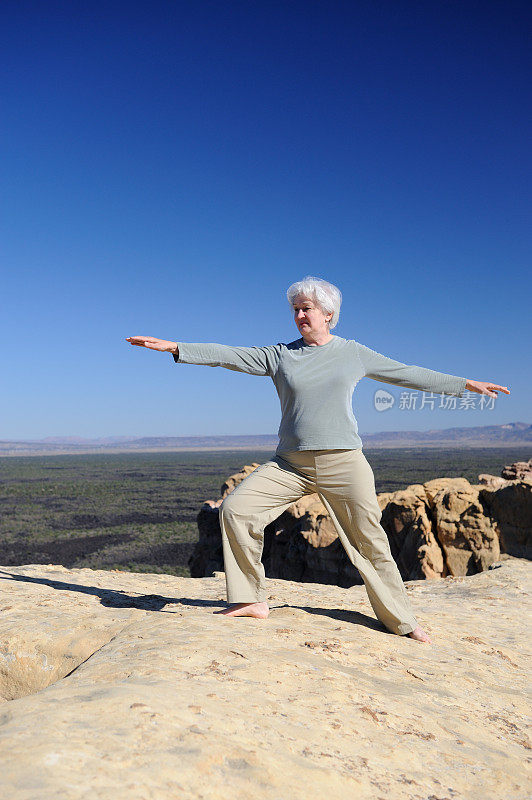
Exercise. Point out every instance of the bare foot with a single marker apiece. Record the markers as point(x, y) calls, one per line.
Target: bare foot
point(419, 634)
point(258, 610)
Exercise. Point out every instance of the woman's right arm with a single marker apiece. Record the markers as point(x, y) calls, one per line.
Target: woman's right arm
point(253, 360)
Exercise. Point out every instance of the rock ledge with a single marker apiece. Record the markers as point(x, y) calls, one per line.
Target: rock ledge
point(115, 679)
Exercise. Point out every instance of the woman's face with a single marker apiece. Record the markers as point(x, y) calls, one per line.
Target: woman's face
point(309, 317)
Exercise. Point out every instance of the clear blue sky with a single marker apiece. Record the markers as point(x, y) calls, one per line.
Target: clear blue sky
point(169, 168)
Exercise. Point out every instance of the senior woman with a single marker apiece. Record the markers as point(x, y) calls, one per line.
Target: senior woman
point(319, 450)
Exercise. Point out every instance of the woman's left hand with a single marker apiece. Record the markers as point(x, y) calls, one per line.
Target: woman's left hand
point(490, 389)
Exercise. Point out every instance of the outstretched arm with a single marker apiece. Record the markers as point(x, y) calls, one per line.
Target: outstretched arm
point(253, 360)
point(388, 370)
point(382, 368)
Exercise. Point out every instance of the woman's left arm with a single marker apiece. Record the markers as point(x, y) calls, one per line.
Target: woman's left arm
point(388, 370)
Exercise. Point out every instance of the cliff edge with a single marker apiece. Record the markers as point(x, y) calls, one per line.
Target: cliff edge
point(117, 684)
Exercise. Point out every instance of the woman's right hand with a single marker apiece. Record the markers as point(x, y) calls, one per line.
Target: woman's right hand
point(152, 343)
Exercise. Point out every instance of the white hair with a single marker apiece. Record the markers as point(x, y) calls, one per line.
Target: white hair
point(325, 295)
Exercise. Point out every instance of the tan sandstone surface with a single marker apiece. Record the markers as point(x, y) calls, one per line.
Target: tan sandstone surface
point(124, 685)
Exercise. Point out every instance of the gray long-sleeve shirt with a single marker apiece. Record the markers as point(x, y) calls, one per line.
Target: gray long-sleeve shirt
point(315, 384)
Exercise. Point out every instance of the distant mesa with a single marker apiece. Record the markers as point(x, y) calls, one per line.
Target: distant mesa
point(513, 433)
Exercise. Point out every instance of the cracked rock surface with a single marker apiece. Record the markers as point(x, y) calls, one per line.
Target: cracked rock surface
point(117, 684)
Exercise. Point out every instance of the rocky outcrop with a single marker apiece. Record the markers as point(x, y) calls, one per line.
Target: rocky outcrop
point(520, 470)
point(510, 507)
point(440, 529)
point(445, 526)
point(116, 684)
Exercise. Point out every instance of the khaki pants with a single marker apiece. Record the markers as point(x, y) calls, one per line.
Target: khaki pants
point(344, 481)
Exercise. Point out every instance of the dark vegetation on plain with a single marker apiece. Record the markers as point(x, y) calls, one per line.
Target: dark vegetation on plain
point(137, 511)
